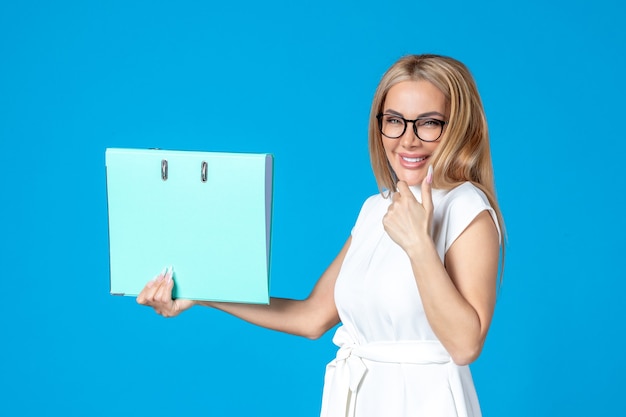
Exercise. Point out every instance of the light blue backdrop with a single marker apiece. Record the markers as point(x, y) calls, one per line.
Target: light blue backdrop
point(77, 77)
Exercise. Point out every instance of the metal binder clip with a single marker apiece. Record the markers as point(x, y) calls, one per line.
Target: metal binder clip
point(164, 169)
point(203, 171)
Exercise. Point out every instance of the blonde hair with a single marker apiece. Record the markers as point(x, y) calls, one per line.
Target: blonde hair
point(463, 153)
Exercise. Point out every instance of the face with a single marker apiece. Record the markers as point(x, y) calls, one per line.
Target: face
point(408, 155)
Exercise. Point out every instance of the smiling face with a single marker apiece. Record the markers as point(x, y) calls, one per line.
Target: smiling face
point(408, 155)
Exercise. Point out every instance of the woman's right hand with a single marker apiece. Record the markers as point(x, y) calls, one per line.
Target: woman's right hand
point(158, 295)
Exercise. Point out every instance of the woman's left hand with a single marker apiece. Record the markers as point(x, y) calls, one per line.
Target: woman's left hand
point(407, 221)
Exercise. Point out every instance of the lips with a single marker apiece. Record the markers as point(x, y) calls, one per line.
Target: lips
point(410, 167)
point(412, 161)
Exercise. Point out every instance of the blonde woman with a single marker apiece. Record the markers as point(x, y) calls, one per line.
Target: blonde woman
point(414, 286)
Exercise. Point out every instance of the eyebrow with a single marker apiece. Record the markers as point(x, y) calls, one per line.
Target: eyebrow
point(427, 114)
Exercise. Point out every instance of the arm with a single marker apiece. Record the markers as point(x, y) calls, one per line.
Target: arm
point(310, 317)
point(458, 297)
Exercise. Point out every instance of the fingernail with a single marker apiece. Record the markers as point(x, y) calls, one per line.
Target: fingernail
point(429, 174)
point(170, 275)
point(160, 276)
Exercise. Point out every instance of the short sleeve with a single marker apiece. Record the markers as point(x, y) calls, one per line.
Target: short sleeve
point(454, 213)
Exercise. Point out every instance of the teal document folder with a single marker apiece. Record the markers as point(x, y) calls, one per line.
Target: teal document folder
point(207, 214)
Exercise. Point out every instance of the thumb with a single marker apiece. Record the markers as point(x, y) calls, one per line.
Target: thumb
point(427, 191)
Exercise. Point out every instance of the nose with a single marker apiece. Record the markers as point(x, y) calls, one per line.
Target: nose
point(409, 139)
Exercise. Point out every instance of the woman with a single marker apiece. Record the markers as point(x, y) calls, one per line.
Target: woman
point(415, 284)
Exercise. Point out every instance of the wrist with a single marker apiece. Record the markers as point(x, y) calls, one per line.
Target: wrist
point(421, 249)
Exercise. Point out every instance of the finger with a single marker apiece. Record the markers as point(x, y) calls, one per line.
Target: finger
point(427, 191)
point(147, 293)
point(403, 187)
point(141, 297)
point(405, 191)
point(164, 293)
point(170, 307)
point(169, 284)
point(146, 296)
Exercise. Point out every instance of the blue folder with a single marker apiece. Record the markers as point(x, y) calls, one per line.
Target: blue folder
point(207, 214)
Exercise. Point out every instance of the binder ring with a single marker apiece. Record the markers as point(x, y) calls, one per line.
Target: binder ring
point(203, 171)
point(164, 169)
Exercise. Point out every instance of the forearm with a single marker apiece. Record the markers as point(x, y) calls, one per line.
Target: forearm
point(453, 319)
point(297, 317)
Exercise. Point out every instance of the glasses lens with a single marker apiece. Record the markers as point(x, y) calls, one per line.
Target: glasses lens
point(428, 130)
point(392, 126)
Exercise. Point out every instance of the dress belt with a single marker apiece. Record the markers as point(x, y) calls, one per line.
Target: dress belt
point(350, 368)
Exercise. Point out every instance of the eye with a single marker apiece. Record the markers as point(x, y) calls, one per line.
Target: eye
point(393, 120)
point(430, 123)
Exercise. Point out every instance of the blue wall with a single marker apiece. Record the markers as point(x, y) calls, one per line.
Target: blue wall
point(78, 77)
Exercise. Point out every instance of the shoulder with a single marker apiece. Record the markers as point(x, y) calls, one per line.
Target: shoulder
point(372, 210)
point(374, 200)
point(463, 203)
point(455, 209)
point(465, 193)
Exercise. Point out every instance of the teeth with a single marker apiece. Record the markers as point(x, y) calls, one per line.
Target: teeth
point(413, 159)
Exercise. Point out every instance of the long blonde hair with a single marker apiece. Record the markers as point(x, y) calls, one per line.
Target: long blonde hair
point(463, 153)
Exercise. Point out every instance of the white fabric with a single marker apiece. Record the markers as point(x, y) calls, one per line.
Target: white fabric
point(390, 362)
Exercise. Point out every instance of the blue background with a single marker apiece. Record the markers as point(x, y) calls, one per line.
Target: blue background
point(298, 78)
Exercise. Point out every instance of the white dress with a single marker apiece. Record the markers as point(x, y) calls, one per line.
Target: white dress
point(389, 362)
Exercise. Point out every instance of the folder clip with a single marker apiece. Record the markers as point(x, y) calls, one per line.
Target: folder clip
point(203, 171)
point(164, 169)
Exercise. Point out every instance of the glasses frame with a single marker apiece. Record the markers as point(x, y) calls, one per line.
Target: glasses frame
point(379, 116)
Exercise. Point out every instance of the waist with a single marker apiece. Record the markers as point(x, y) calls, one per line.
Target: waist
point(410, 351)
point(346, 372)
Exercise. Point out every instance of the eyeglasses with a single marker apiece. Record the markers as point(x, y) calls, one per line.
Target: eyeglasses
point(425, 128)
